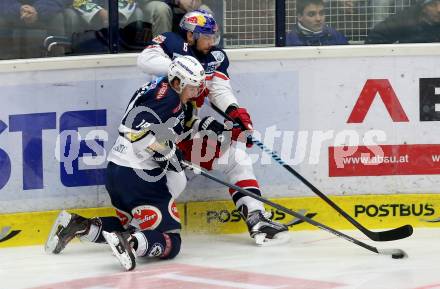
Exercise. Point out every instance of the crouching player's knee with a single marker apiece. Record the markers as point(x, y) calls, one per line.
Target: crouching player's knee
point(173, 242)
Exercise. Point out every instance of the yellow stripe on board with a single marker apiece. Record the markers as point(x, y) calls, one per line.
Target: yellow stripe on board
point(372, 211)
point(220, 217)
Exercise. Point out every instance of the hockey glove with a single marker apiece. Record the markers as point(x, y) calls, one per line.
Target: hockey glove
point(210, 124)
point(170, 158)
point(243, 119)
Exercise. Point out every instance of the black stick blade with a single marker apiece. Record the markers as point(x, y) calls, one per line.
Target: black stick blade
point(391, 235)
point(395, 253)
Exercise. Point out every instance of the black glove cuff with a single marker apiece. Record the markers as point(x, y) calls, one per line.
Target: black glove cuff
point(205, 122)
point(231, 108)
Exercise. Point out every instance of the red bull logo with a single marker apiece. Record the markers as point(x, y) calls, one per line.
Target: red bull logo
point(198, 20)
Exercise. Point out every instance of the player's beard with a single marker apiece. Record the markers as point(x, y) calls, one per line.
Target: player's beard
point(202, 52)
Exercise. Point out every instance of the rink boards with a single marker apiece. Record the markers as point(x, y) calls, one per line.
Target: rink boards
point(220, 217)
point(350, 134)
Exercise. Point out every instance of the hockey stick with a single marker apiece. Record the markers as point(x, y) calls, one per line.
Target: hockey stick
point(389, 235)
point(296, 221)
point(395, 253)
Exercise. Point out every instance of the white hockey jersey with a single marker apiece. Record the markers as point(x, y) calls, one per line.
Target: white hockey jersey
point(156, 58)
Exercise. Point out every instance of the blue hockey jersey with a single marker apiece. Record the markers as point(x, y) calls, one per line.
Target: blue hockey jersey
point(154, 115)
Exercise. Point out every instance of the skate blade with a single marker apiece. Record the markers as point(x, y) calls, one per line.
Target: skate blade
point(62, 221)
point(278, 239)
point(124, 258)
point(259, 238)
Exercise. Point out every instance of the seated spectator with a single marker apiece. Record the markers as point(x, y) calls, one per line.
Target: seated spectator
point(165, 15)
point(21, 17)
point(91, 20)
point(416, 24)
point(311, 29)
point(94, 13)
point(381, 9)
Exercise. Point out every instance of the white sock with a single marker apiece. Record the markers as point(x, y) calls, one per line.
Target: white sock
point(93, 233)
point(142, 244)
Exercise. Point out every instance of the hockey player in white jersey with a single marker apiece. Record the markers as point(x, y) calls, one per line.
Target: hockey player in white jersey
point(198, 37)
point(143, 174)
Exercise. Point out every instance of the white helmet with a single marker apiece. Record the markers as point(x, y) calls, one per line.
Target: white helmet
point(188, 70)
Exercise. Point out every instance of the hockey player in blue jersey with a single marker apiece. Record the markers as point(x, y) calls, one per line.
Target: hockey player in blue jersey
point(143, 174)
point(198, 37)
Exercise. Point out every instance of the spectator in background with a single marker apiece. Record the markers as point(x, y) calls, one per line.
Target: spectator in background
point(26, 15)
point(416, 24)
point(90, 33)
point(95, 12)
point(382, 9)
point(311, 29)
point(165, 15)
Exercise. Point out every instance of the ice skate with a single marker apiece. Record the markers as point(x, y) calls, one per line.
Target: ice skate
point(265, 231)
point(120, 245)
point(66, 227)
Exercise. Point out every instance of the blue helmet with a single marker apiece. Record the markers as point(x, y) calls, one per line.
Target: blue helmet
point(200, 22)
